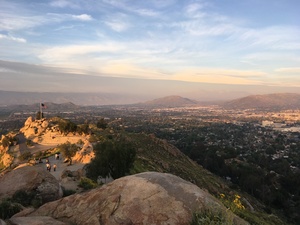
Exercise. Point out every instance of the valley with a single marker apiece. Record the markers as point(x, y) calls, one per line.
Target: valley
point(254, 151)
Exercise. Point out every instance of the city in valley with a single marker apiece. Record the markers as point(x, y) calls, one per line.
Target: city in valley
point(252, 150)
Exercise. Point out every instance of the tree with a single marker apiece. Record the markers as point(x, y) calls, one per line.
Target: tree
point(5, 142)
point(102, 124)
point(66, 126)
point(113, 158)
point(68, 150)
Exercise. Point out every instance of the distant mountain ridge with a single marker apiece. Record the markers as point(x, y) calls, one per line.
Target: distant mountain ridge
point(169, 101)
point(84, 99)
point(269, 101)
point(48, 106)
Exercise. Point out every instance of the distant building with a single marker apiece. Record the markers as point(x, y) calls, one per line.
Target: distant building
point(267, 123)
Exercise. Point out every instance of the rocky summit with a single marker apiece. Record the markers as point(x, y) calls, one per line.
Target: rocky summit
point(145, 198)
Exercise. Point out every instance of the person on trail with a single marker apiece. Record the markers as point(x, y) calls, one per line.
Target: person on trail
point(54, 167)
point(48, 167)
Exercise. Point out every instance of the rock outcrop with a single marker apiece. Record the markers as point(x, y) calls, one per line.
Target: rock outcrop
point(30, 179)
point(86, 154)
point(34, 128)
point(146, 198)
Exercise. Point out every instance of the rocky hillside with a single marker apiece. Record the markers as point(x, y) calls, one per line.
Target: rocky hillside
point(270, 101)
point(179, 185)
point(146, 198)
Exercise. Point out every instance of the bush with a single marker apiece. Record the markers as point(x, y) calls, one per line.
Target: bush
point(68, 150)
point(27, 198)
point(8, 209)
point(113, 158)
point(208, 217)
point(87, 183)
point(67, 192)
point(29, 143)
point(25, 156)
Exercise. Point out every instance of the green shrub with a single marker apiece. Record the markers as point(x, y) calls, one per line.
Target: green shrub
point(29, 142)
point(25, 156)
point(87, 183)
point(67, 192)
point(80, 142)
point(208, 217)
point(27, 198)
point(8, 209)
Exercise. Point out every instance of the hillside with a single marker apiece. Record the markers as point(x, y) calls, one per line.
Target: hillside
point(169, 101)
point(271, 101)
point(158, 155)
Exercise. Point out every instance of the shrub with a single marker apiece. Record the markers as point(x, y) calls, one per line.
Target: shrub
point(80, 142)
point(29, 143)
point(25, 156)
point(208, 217)
point(113, 158)
point(68, 150)
point(8, 209)
point(27, 198)
point(67, 192)
point(87, 183)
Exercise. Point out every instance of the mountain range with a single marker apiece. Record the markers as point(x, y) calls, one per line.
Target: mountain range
point(270, 101)
point(71, 101)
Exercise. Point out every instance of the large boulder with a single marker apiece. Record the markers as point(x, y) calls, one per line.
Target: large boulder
point(37, 220)
point(146, 198)
point(30, 179)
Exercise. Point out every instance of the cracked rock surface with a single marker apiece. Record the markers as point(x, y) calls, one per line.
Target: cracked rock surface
point(146, 198)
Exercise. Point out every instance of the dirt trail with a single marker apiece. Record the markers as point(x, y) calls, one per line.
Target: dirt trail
point(60, 166)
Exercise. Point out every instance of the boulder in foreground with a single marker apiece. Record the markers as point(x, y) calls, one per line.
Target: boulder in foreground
point(146, 198)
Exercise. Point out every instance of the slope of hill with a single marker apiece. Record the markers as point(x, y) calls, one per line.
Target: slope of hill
point(158, 155)
point(270, 101)
point(169, 101)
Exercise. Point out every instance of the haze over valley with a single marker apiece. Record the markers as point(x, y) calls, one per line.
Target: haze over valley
point(149, 112)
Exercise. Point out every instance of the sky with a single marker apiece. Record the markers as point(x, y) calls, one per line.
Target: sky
point(239, 42)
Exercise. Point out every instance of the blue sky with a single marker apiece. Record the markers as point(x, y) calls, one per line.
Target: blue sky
point(244, 42)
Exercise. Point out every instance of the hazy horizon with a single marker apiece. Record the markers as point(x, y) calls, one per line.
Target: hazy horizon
point(154, 48)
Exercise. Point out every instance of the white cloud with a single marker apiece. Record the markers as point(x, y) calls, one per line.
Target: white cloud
point(82, 17)
point(289, 70)
point(12, 38)
point(194, 10)
point(221, 76)
point(15, 22)
point(118, 22)
point(147, 12)
point(77, 53)
point(63, 4)
point(118, 26)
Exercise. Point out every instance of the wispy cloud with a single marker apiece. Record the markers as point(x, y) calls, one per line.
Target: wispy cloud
point(289, 70)
point(63, 4)
point(82, 17)
point(12, 38)
point(118, 22)
point(222, 76)
point(10, 22)
point(76, 53)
